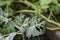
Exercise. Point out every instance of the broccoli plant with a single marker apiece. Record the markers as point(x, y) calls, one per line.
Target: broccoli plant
point(30, 26)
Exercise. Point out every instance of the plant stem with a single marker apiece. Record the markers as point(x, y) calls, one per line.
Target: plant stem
point(53, 28)
point(24, 11)
point(51, 21)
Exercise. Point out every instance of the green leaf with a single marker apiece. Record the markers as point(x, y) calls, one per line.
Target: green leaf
point(45, 7)
point(55, 1)
point(8, 28)
point(45, 3)
point(3, 3)
point(55, 8)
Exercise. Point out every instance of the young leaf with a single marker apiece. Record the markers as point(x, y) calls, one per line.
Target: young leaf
point(33, 32)
point(11, 36)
